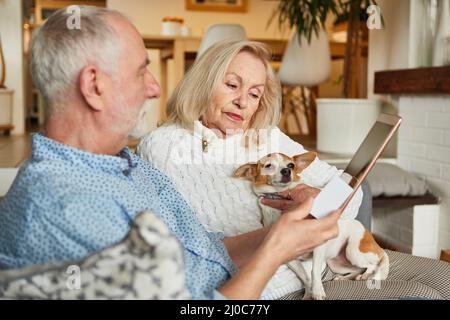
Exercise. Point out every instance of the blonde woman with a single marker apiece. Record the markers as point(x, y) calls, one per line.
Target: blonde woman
point(223, 114)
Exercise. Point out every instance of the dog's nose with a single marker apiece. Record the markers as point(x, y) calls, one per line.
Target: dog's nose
point(286, 172)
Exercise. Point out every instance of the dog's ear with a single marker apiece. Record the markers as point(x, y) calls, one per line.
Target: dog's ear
point(304, 160)
point(247, 171)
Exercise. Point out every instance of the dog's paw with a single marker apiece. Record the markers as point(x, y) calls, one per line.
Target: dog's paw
point(318, 294)
point(339, 277)
point(364, 276)
point(307, 295)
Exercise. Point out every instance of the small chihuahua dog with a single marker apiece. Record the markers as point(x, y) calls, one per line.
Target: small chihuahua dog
point(353, 254)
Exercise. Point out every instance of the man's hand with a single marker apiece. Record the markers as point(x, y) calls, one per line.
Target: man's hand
point(292, 235)
point(298, 195)
point(289, 237)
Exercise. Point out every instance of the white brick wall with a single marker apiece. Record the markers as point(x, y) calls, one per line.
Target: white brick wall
point(424, 149)
point(447, 138)
point(438, 119)
point(395, 227)
point(411, 230)
point(446, 172)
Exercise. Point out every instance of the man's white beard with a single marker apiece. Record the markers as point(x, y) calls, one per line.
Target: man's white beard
point(141, 128)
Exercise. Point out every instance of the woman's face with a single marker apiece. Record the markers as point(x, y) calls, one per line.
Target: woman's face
point(237, 97)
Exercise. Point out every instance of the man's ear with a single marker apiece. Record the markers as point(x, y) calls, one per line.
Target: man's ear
point(92, 86)
point(305, 159)
point(247, 171)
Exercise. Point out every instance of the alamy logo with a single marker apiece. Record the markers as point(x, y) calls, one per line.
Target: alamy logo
point(74, 280)
point(74, 20)
point(374, 20)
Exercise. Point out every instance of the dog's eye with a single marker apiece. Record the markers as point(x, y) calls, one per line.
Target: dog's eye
point(268, 166)
point(291, 165)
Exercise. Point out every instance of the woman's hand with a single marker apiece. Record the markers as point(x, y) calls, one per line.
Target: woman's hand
point(298, 195)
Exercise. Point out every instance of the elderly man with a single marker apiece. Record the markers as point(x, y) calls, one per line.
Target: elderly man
point(82, 187)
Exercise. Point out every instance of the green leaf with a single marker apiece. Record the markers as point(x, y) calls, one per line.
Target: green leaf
point(308, 16)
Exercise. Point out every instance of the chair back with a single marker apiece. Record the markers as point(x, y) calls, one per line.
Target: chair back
point(220, 32)
point(306, 64)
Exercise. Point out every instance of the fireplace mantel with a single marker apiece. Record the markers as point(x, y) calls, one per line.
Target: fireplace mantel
point(434, 80)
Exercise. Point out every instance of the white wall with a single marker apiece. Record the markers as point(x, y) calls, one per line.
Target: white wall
point(412, 230)
point(389, 49)
point(424, 149)
point(147, 16)
point(424, 137)
point(11, 33)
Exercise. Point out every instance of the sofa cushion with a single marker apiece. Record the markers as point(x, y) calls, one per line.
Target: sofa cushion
point(7, 176)
point(147, 264)
point(389, 180)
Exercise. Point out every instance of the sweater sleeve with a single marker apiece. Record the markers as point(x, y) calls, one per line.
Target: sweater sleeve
point(318, 173)
point(153, 150)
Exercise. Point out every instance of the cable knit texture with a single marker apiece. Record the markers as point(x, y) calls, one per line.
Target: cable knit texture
point(202, 165)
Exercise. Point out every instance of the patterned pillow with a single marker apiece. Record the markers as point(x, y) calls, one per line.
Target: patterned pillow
point(147, 264)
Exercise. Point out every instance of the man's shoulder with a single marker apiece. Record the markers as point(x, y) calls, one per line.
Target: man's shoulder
point(42, 183)
point(38, 175)
point(43, 195)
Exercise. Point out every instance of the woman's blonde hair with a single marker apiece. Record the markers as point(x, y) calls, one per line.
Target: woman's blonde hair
point(193, 95)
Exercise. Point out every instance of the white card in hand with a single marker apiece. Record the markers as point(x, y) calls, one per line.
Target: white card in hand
point(331, 197)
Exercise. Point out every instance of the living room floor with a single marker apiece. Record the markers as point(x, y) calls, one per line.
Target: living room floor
point(14, 150)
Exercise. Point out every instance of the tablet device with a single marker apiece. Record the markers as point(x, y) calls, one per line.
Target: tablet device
point(338, 193)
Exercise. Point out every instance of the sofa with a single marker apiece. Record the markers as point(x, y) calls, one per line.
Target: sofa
point(7, 176)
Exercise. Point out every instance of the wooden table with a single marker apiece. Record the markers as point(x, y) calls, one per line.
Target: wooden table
point(178, 47)
point(6, 128)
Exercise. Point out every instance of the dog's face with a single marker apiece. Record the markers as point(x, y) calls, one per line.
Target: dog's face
point(276, 171)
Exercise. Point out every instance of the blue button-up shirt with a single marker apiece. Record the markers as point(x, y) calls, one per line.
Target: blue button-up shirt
point(66, 204)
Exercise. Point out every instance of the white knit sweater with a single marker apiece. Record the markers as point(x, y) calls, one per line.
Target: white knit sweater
point(202, 165)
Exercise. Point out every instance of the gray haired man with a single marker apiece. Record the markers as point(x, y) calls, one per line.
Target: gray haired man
point(81, 188)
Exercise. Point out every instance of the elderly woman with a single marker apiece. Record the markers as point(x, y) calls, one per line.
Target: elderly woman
point(224, 113)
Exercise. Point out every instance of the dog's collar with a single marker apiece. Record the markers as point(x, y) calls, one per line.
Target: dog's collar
point(274, 196)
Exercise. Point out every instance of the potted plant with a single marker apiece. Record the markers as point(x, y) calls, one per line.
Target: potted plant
point(341, 123)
